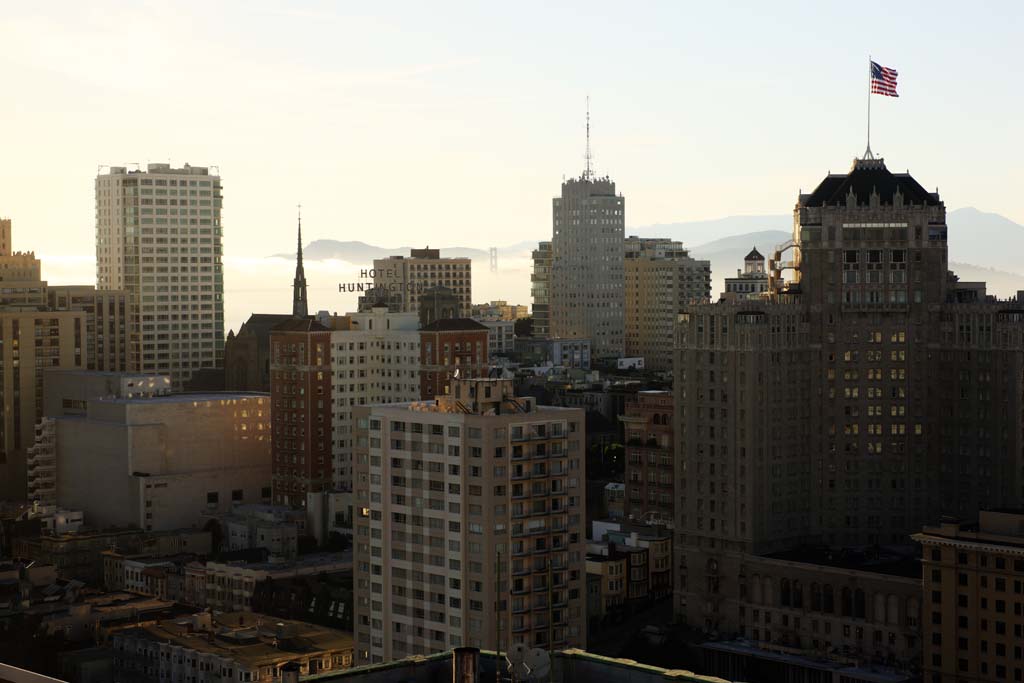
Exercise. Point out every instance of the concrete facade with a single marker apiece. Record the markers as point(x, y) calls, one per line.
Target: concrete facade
point(158, 238)
point(540, 290)
point(661, 279)
point(375, 360)
point(163, 462)
point(587, 290)
point(973, 597)
point(452, 492)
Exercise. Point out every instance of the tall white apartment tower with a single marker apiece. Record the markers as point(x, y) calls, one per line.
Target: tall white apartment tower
point(158, 238)
point(587, 290)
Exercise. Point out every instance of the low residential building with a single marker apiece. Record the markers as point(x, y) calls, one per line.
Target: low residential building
point(500, 310)
point(229, 586)
point(606, 589)
point(650, 472)
point(647, 551)
point(973, 583)
point(470, 665)
point(163, 462)
point(329, 515)
point(235, 646)
point(80, 555)
point(274, 527)
point(568, 353)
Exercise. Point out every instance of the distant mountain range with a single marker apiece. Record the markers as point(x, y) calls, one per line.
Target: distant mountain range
point(983, 246)
point(362, 253)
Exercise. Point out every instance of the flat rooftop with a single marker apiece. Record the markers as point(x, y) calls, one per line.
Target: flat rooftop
point(199, 397)
point(875, 560)
point(251, 639)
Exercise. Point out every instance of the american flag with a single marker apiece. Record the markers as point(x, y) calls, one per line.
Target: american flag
point(883, 80)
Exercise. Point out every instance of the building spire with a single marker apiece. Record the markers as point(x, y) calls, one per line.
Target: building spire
point(588, 172)
point(299, 307)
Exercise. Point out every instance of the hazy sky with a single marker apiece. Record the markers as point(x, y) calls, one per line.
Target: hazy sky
point(449, 124)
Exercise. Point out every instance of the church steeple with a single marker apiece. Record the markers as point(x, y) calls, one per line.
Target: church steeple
point(299, 306)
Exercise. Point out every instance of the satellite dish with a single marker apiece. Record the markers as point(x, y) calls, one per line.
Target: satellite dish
point(539, 663)
point(456, 374)
point(516, 657)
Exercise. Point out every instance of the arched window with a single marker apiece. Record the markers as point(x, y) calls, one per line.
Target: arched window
point(784, 592)
point(656, 419)
point(846, 603)
point(858, 603)
point(769, 594)
point(878, 609)
point(798, 595)
point(829, 600)
point(892, 614)
point(755, 585)
point(815, 597)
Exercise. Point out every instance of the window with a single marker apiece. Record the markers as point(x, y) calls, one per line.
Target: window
point(237, 495)
point(212, 498)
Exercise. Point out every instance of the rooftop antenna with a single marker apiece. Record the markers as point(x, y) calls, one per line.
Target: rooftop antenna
point(588, 173)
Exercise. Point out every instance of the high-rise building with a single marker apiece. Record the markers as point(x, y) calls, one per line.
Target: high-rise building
point(866, 394)
point(540, 290)
point(400, 281)
point(973, 580)
point(586, 291)
point(375, 358)
point(749, 283)
point(466, 503)
point(650, 460)
point(108, 317)
point(300, 391)
point(158, 238)
point(661, 280)
point(450, 349)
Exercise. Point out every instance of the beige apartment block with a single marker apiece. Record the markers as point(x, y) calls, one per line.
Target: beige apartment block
point(587, 295)
point(662, 279)
point(463, 503)
point(164, 462)
point(400, 281)
point(31, 340)
point(158, 238)
point(973, 582)
point(375, 360)
point(108, 323)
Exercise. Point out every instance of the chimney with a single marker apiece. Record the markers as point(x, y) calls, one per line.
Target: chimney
point(465, 665)
point(290, 672)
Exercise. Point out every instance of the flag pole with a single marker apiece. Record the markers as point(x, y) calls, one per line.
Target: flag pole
point(867, 153)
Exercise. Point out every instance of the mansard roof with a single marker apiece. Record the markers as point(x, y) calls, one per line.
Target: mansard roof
point(869, 176)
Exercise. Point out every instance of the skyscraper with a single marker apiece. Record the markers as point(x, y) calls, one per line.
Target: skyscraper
point(587, 293)
point(868, 393)
point(540, 290)
point(158, 238)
